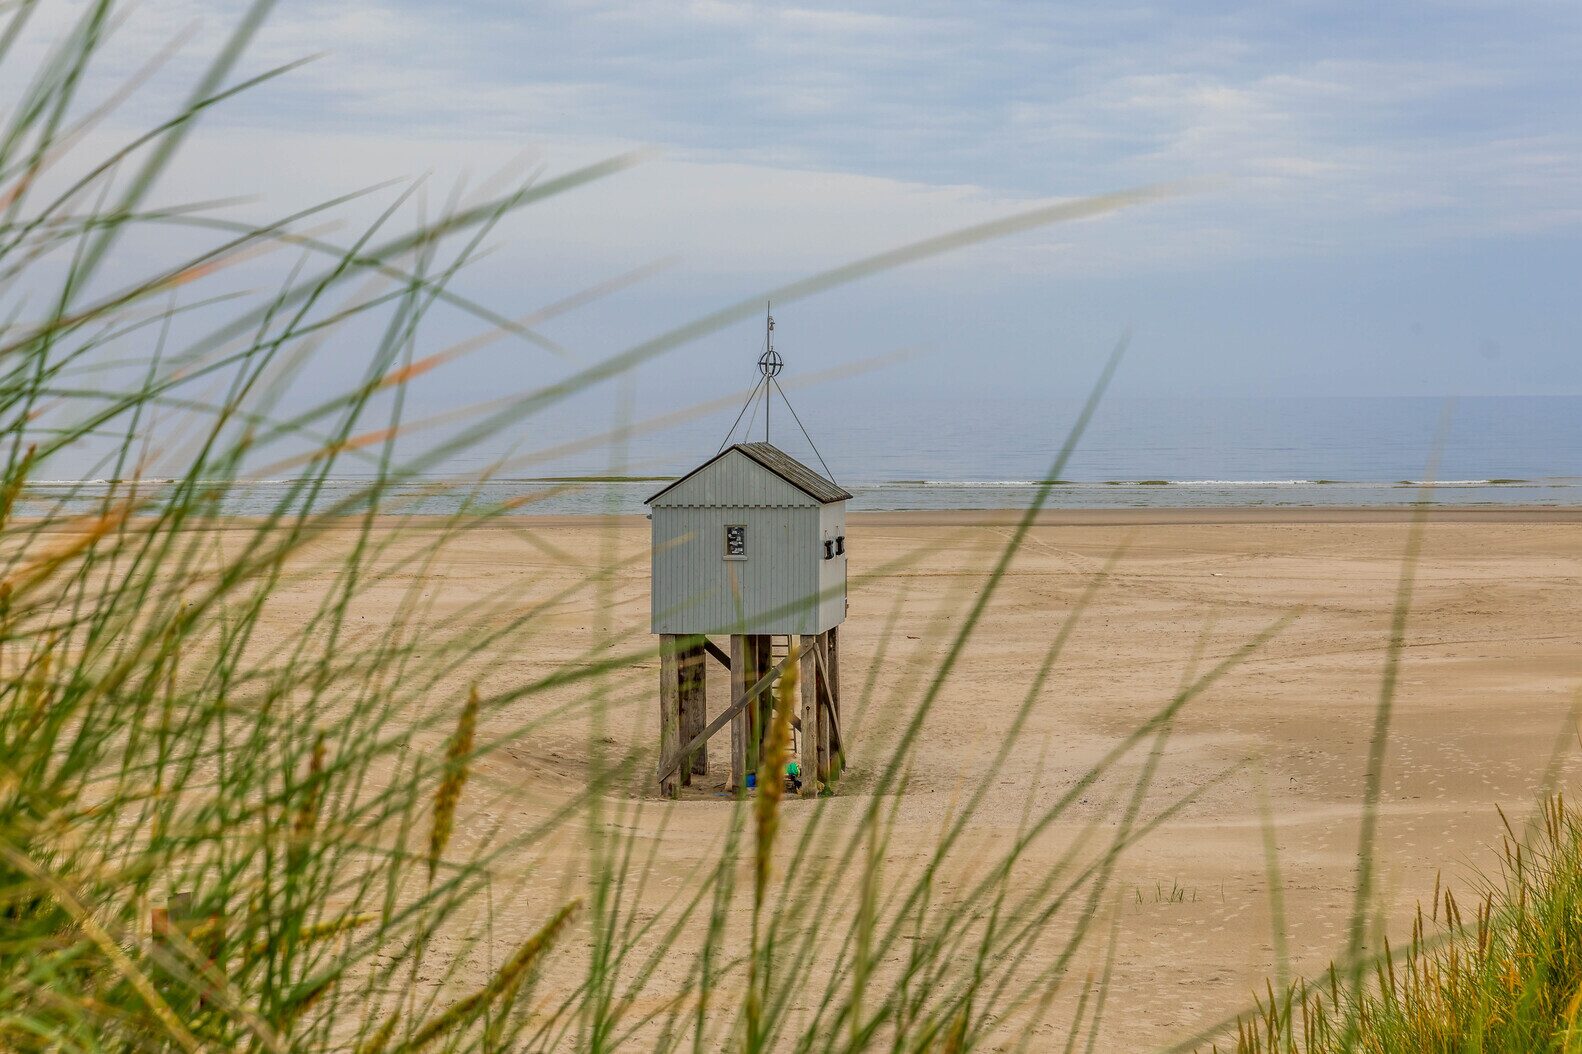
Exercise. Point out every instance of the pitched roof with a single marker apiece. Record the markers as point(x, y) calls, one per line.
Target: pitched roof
point(781, 464)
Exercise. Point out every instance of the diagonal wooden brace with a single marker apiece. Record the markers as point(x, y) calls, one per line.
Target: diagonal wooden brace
point(717, 651)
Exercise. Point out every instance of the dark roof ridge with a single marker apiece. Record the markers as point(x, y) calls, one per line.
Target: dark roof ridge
point(777, 461)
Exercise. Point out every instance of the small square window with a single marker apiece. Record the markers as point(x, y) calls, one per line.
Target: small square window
point(735, 541)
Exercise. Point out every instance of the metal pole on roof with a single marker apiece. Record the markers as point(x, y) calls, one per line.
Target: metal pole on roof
point(769, 345)
point(769, 364)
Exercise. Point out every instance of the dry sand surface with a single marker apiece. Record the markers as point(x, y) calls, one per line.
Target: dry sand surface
point(1492, 664)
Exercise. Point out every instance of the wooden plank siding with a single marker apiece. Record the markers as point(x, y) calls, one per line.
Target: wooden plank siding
point(783, 586)
point(832, 573)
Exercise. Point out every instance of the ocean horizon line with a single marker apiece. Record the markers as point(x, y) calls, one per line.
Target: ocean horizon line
point(463, 480)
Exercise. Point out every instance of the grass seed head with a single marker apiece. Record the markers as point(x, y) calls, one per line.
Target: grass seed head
point(448, 796)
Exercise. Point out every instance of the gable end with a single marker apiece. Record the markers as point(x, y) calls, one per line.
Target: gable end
point(776, 463)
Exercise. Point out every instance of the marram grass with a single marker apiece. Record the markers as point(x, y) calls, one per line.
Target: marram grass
point(220, 834)
point(1502, 973)
point(228, 824)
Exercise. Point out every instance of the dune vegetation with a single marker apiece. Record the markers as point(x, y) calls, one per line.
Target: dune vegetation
point(216, 839)
point(1506, 975)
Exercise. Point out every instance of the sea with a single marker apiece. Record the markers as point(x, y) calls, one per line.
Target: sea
point(935, 453)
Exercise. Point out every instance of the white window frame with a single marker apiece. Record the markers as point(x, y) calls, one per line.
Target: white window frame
point(726, 538)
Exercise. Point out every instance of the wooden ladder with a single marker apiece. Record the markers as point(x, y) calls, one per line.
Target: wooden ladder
point(779, 647)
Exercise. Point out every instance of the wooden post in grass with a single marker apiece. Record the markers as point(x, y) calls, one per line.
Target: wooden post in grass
point(807, 679)
point(693, 707)
point(669, 708)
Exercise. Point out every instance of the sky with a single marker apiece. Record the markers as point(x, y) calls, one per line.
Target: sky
point(1366, 199)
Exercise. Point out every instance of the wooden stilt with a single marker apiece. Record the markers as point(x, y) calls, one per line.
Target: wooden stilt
point(669, 708)
point(694, 709)
point(824, 716)
point(723, 718)
point(808, 682)
point(762, 712)
point(752, 727)
point(683, 713)
point(832, 669)
point(766, 703)
point(741, 663)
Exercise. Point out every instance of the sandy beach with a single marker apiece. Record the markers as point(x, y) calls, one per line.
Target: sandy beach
point(1490, 672)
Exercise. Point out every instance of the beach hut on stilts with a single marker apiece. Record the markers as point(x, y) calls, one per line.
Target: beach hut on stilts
point(751, 544)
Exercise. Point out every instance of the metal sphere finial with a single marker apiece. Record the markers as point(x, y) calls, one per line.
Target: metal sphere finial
point(770, 363)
